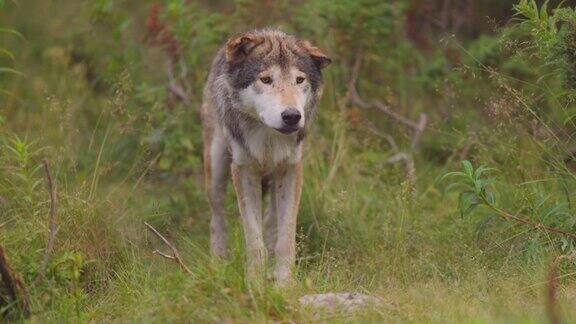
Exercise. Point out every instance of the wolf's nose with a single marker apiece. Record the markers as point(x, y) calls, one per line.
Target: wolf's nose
point(291, 116)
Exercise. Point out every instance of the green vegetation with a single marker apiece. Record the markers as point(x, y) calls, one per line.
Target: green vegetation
point(107, 93)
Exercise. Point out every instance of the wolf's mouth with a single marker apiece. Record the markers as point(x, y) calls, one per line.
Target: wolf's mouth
point(287, 129)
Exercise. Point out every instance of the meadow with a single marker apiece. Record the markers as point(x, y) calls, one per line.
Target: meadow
point(440, 175)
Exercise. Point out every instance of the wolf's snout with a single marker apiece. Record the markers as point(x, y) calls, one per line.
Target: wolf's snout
point(291, 116)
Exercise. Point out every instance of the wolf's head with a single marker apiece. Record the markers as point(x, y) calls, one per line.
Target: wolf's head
point(277, 76)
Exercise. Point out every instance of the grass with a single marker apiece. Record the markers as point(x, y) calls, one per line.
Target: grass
point(357, 233)
point(121, 154)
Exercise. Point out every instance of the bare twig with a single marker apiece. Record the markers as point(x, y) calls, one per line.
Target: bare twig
point(53, 225)
point(175, 254)
point(163, 255)
point(417, 127)
point(408, 164)
point(176, 87)
point(355, 98)
point(387, 137)
point(504, 214)
point(13, 286)
point(418, 131)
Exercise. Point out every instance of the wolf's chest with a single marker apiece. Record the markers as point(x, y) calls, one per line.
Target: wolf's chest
point(268, 148)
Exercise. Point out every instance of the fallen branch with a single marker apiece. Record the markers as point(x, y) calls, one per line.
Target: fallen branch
point(13, 286)
point(417, 127)
point(422, 122)
point(355, 98)
point(176, 87)
point(53, 225)
point(408, 164)
point(506, 215)
point(387, 137)
point(175, 254)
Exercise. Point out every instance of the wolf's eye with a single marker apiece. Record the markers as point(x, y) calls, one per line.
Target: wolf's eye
point(266, 80)
point(300, 80)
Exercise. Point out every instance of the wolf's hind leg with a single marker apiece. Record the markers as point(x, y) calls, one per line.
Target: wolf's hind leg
point(217, 172)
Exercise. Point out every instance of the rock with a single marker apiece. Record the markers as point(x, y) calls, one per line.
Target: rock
point(347, 301)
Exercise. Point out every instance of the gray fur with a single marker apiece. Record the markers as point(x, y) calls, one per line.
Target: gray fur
point(227, 78)
point(262, 158)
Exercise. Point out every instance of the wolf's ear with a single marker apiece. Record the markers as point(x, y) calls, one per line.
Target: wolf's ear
point(239, 46)
point(320, 59)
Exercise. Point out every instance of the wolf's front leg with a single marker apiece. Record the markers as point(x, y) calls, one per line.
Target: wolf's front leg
point(217, 174)
point(286, 194)
point(247, 183)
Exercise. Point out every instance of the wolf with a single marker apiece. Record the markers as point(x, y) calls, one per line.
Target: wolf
point(259, 101)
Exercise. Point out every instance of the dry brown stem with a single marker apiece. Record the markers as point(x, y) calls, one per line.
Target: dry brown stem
point(53, 224)
point(14, 286)
point(175, 254)
point(504, 214)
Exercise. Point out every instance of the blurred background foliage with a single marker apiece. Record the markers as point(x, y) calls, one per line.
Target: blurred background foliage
point(108, 92)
